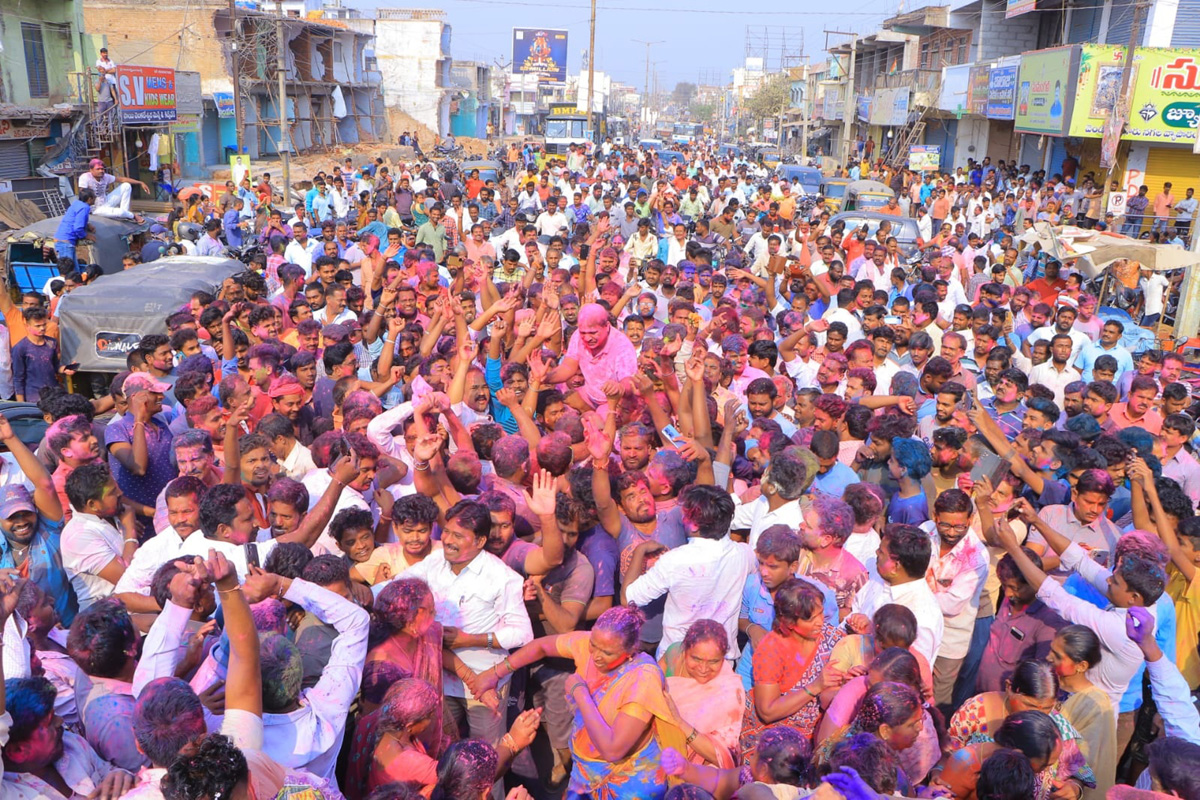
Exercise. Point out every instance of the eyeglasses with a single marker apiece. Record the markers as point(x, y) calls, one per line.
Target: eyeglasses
point(946, 526)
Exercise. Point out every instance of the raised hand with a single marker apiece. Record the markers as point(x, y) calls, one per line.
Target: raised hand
point(1139, 625)
point(260, 584)
point(694, 369)
point(598, 444)
point(345, 468)
point(525, 328)
point(545, 493)
point(426, 447)
point(507, 397)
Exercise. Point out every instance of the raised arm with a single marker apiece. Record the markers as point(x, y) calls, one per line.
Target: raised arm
point(551, 552)
point(341, 472)
point(44, 496)
point(1143, 478)
point(243, 682)
point(599, 448)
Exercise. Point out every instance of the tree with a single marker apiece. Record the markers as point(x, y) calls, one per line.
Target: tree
point(770, 97)
point(704, 112)
point(683, 93)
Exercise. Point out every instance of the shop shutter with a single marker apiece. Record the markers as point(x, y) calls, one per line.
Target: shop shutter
point(1085, 25)
point(1176, 165)
point(1120, 22)
point(1058, 154)
point(1186, 31)
point(14, 160)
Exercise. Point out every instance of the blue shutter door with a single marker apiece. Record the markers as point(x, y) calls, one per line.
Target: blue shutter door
point(1186, 32)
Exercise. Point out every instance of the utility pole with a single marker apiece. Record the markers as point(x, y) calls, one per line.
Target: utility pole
point(237, 77)
point(849, 106)
point(646, 85)
point(285, 133)
point(591, 65)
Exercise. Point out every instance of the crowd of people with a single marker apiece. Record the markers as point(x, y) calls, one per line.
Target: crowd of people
point(609, 478)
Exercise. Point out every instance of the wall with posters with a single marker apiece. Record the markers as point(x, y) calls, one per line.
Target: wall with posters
point(146, 95)
point(1044, 95)
point(540, 51)
point(890, 106)
point(1165, 105)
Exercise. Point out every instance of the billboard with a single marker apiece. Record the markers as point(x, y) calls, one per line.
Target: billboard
point(541, 52)
point(146, 95)
point(1166, 95)
point(1002, 93)
point(1097, 87)
point(924, 157)
point(890, 107)
point(977, 90)
point(1015, 8)
point(1044, 90)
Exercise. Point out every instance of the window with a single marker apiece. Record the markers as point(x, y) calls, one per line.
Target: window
point(35, 59)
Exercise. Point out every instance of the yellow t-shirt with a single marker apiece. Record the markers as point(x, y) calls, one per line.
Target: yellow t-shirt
point(1187, 623)
point(390, 554)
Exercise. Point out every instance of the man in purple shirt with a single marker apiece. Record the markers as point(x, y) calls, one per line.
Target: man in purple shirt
point(1023, 628)
point(139, 443)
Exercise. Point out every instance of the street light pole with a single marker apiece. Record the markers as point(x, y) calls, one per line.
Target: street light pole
point(285, 134)
point(646, 85)
point(591, 66)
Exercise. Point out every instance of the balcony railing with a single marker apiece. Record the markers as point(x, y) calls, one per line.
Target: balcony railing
point(919, 80)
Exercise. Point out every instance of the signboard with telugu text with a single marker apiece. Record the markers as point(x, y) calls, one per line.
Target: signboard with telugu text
point(146, 95)
point(541, 52)
point(1044, 90)
point(1166, 96)
point(1002, 93)
point(15, 129)
point(224, 103)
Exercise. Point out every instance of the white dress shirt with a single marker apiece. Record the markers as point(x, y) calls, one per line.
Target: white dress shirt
point(957, 580)
point(311, 736)
point(301, 254)
point(1122, 657)
point(917, 597)
point(703, 579)
point(1051, 378)
point(148, 558)
point(298, 463)
point(485, 597)
point(89, 544)
point(757, 516)
point(316, 482)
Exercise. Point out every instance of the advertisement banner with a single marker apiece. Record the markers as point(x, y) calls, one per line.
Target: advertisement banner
point(1166, 96)
point(541, 52)
point(864, 107)
point(925, 157)
point(1002, 93)
point(1015, 8)
point(890, 107)
point(1096, 88)
point(1044, 95)
point(224, 103)
point(977, 90)
point(146, 95)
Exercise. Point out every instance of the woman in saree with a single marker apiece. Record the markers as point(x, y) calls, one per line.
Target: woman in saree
point(623, 718)
point(892, 711)
point(707, 693)
point(1074, 651)
point(1032, 687)
point(409, 708)
point(897, 665)
point(790, 666)
point(1059, 766)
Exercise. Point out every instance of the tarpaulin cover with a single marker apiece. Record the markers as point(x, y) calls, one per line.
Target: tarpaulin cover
point(112, 237)
point(102, 322)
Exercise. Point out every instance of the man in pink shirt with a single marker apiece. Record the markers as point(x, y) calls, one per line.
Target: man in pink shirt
point(1137, 410)
point(1164, 201)
point(598, 351)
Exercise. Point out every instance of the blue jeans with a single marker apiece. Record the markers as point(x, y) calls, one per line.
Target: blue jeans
point(1132, 227)
point(66, 250)
point(1160, 224)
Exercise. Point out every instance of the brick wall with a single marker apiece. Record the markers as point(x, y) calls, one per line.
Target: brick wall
point(998, 37)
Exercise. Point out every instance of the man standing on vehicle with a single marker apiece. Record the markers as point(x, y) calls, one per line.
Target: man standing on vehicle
point(75, 226)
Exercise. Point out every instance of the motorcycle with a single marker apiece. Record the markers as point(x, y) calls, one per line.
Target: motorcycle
point(448, 152)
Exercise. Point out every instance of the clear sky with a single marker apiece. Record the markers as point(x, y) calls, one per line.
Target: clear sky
point(700, 37)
